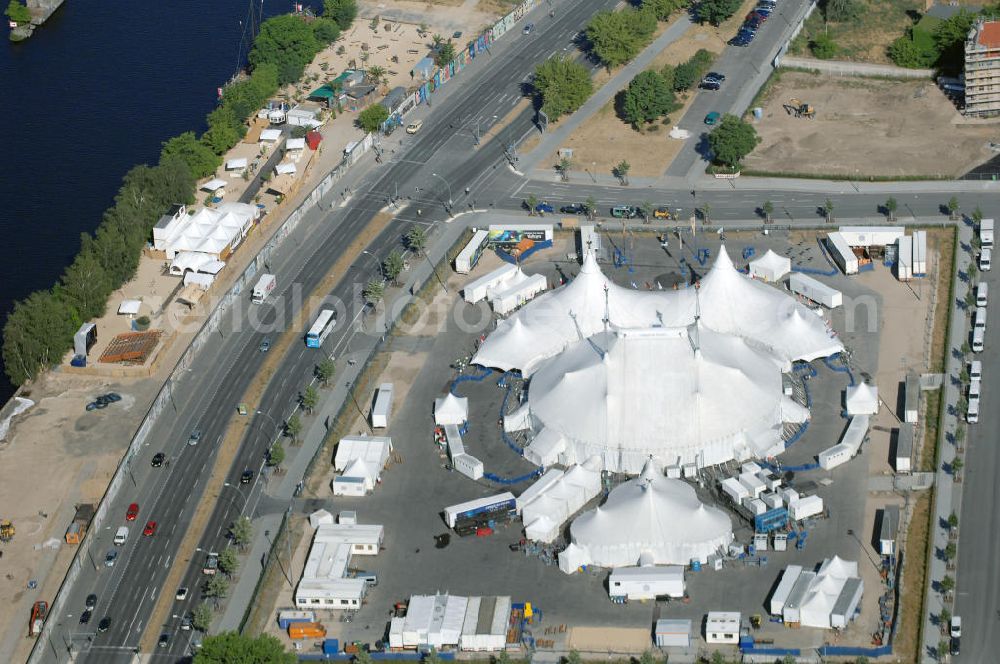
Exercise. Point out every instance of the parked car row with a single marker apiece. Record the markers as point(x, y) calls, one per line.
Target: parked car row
point(618, 211)
point(752, 22)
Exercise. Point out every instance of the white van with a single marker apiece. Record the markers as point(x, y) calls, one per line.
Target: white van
point(981, 317)
point(972, 415)
point(985, 256)
point(978, 339)
point(975, 389)
point(121, 535)
point(982, 291)
point(975, 370)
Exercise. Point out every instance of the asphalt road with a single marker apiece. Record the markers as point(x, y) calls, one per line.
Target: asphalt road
point(740, 65)
point(206, 397)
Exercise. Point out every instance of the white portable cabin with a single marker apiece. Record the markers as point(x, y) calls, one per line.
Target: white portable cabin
point(815, 290)
point(646, 582)
point(469, 256)
point(848, 446)
point(871, 236)
point(510, 299)
point(834, 456)
point(236, 164)
point(349, 485)
point(382, 409)
point(753, 484)
point(756, 506)
point(888, 529)
point(735, 490)
point(477, 289)
point(468, 465)
point(911, 398)
point(920, 253)
point(672, 633)
point(485, 625)
point(777, 604)
point(803, 508)
point(904, 258)
point(904, 448)
point(722, 627)
point(842, 253)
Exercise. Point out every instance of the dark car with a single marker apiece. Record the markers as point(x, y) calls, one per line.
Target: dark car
point(710, 84)
point(754, 22)
point(246, 477)
point(544, 207)
point(194, 437)
point(85, 616)
point(265, 345)
point(742, 39)
point(110, 558)
point(187, 621)
point(715, 75)
point(763, 10)
point(105, 624)
point(164, 640)
point(574, 208)
point(91, 601)
point(158, 459)
point(955, 646)
point(112, 397)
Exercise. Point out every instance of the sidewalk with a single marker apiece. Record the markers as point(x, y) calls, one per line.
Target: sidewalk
point(298, 458)
point(947, 496)
point(552, 140)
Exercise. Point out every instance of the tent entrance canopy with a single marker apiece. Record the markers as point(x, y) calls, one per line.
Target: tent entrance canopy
point(214, 185)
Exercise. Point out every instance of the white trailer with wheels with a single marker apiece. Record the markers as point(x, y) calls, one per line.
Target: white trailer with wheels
point(842, 253)
point(815, 290)
point(383, 406)
point(986, 233)
point(469, 256)
point(646, 582)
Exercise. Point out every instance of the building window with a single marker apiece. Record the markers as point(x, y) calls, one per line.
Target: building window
point(344, 602)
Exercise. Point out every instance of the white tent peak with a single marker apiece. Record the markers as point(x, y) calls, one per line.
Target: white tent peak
point(590, 265)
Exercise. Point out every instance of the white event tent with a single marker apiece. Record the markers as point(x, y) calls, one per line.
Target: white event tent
point(451, 409)
point(649, 520)
point(770, 266)
point(862, 399)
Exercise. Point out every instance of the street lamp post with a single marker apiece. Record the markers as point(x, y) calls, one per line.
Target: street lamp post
point(378, 263)
point(447, 184)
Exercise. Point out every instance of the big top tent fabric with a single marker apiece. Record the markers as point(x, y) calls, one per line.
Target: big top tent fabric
point(651, 517)
point(679, 395)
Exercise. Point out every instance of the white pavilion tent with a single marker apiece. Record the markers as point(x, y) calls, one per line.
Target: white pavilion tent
point(770, 266)
point(652, 518)
point(862, 399)
point(451, 409)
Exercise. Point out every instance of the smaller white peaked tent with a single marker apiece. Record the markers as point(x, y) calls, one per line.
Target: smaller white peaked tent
point(362, 470)
point(770, 266)
point(560, 499)
point(832, 595)
point(862, 399)
point(320, 518)
point(374, 450)
point(451, 409)
point(652, 518)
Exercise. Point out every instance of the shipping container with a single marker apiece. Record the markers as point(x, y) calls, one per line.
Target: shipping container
point(288, 616)
point(842, 253)
point(382, 409)
point(788, 578)
point(904, 259)
point(469, 256)
point(331, 646)
point(920, 253)
point(499, 505)
point(306, 630)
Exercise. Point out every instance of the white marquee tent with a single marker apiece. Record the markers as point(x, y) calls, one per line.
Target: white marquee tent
point(862, 399)
point(686, 395)
point(728, 301)
point(651, 517)
point(770, 266)
point(825, 599)
point(451, 409)
point(560, 499)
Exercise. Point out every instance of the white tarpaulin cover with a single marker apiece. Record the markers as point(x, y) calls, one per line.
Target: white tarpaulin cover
point(284, 169)
point(862, 399)
point(687, 395)
point(236, 164)
point(729, 302)
point(129, 307)
point(295, 144)
point(203, 281)
point(451, 409)
point(270, 135)
point(653, 517)
point(214, 185)
point(770, 266)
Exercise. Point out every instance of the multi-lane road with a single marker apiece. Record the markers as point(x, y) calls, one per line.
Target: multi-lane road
point(426, 170)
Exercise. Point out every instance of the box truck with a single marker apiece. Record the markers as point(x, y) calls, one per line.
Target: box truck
point(263, 288)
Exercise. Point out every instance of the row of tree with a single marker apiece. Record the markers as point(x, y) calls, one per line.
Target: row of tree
point(651, 94)
point(943, 48)
point(40, 328)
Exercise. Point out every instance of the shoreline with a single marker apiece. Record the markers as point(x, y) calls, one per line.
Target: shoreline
point(41, 11)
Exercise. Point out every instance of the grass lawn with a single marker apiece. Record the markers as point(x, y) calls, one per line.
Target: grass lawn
point(866, 39)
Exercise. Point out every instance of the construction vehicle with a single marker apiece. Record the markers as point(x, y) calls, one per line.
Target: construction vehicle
point(800, 109)
point(6, 530)
point(39, 612)
point(81, 520)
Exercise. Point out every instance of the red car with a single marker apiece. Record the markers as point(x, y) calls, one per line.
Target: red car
point(149, 529)
point(133, 512)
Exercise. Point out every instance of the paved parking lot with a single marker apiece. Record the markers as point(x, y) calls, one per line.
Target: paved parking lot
point(412, 494)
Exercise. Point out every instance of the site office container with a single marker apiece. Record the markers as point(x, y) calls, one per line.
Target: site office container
point(306, 630)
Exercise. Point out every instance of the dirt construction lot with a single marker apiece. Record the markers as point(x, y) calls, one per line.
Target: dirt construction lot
point(867, 127)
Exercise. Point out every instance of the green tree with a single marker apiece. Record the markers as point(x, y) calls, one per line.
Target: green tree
point(362, 657)
point(325, 30)
point(953, 207)
point(768, 209)
point(229, 562)
point(276, 455)
point(200, 158)
point(950, 551)
point(685, 76)
point(717, 11)
point(646, 99)
point(216, 588)
point(201, 618)
point(444, 53)
point(377, 74)
point(646, 209)
point(663, 9)
point(890, 206)
point(416, 240)
point(574, 657)
point(949, 40)
point(293, 427)
point(823, 46)
point(904, 52)
point(646, 658)
point(952, 521)
point(371, 118)
point(502, 658)
point(325, 371)
point(718, 658)
point(310, 398)
point(287, 42)
point(230, 648)
point(977, 216)
point(591, 204)
point(531, 202)
point(242, 531)
point(947, 584)
point(86, 285)
point(564, 166)
point(373, 292)
point(37, 333)
point(621, 170)
point(341, 11)
point(841, 11)
point(562, 85)
point(224, 131)
point(732, 140)
point(617, 37)
point(957, 464)
point(828, 210)
point(393, 266)
point(18, 13)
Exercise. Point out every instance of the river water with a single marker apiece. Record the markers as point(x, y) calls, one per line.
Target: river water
point(94, 92)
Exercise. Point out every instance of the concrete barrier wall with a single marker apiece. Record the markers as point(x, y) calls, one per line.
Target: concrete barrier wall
point(43, 645)
point(843, 68)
